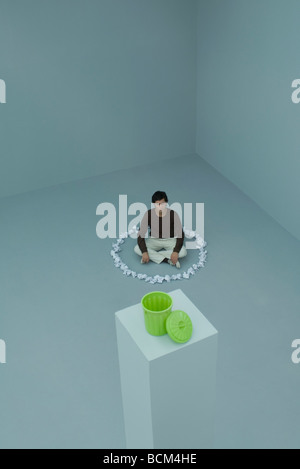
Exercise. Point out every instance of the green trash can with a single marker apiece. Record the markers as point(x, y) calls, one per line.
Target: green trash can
point(161, 320)
point(157, 306)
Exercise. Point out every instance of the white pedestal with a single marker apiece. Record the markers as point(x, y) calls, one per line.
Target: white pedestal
point(168, 389)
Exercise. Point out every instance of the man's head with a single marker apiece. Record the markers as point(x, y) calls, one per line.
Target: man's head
point(159, 196)
point(160, 199)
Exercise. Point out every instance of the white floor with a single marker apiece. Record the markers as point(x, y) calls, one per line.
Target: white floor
point(60, 387)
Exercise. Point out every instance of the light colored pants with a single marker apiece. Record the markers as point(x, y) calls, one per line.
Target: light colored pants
point(159, 248)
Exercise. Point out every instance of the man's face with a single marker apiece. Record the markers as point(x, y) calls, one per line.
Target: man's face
point(160, 206)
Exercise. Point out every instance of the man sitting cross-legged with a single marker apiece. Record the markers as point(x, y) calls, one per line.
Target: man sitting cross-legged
point(165, 243)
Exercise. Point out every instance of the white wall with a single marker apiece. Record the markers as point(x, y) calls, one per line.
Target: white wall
point(93, 86)
point(247, 125)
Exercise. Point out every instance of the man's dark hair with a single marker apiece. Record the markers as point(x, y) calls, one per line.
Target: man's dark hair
point(158, 195)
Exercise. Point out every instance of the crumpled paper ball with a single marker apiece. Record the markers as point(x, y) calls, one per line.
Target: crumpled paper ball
point(133, 230)
point(200, 243)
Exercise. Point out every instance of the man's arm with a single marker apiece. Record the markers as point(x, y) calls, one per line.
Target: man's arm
point(142, 232)
point(178, 231)
point(179, 243)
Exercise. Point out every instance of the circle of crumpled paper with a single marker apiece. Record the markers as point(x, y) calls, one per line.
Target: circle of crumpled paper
point(200, 243)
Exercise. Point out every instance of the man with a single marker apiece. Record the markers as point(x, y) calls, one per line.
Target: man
point(165, 243)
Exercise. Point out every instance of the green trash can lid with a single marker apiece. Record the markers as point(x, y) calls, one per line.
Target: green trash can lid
point(179, 326)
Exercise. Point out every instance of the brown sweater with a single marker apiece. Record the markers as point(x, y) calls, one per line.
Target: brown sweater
point(168, 226)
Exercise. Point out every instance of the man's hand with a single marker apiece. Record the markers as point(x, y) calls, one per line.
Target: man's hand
point(145, 257)
point(174, 257)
